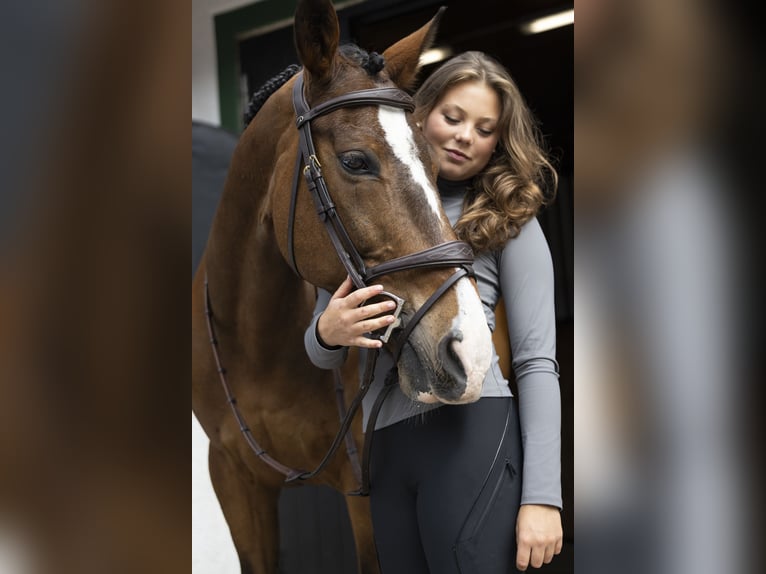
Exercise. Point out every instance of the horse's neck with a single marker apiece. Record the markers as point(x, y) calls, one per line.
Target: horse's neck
point(252, 287)
point(255, 288)
point(242, 258)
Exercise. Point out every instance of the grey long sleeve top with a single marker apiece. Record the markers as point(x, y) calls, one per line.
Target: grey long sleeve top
point(522, 274)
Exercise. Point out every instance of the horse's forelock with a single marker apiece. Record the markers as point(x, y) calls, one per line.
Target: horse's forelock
point(371, 62)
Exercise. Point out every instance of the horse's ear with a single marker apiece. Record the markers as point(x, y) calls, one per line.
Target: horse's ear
point(403, 58)
point(316, 36)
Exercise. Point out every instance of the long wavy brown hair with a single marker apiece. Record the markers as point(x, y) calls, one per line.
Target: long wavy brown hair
point(519, 179)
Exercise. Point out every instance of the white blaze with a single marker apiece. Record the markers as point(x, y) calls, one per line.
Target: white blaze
point(399, 137)
point(474, 350)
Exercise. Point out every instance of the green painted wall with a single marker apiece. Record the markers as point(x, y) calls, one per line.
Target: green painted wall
point(229, 29)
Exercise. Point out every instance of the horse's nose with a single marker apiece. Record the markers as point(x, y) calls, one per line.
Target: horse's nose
point(454, 388)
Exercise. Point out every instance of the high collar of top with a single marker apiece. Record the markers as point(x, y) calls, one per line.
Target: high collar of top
point(448, 188)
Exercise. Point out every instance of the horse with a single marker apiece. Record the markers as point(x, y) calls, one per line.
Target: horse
point(268, 251)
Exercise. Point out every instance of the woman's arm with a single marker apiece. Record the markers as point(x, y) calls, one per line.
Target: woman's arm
point(527, 283)
point(322, 355)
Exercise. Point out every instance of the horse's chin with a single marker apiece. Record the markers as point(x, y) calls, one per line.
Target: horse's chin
point(427, 398)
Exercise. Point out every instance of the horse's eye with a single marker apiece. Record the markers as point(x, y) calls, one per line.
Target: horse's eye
point(355, 163)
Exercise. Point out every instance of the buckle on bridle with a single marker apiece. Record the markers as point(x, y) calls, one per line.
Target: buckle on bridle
point(383, 338)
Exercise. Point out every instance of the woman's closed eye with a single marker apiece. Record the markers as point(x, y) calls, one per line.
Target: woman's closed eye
point(482, 131)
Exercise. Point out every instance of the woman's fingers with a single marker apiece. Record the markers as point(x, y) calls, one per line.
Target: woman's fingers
point(346, 321)
point(374, 309)
point(374, 324)
point(538, 535)
point(343, 289)
point(362, 327)
point(361, 295)
point(368, 327)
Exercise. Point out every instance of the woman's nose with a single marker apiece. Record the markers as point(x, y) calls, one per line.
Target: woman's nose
point(463, 136)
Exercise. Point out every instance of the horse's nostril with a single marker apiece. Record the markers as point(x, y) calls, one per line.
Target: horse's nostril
point(452, 365)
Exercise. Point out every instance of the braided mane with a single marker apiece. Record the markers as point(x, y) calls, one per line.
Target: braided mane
point(372, 62)
point(262, 94)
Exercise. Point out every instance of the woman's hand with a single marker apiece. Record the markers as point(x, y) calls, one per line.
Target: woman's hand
point(539, 535)
point(344, 322)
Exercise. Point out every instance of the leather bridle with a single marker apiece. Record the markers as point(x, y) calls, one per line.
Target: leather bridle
point(450, 254)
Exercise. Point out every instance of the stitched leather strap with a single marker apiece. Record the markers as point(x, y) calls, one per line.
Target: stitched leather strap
point(385, 96)
point(452, 253)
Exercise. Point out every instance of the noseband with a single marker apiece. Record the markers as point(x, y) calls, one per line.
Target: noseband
point(450, 254)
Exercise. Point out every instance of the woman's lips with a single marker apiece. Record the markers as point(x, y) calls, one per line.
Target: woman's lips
point(456, 155)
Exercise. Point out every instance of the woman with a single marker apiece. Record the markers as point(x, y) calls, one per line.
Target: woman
point(449, 492)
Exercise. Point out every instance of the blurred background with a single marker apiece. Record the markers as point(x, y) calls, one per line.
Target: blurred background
point(666, 133)
point(94, 357)
point(94, 230)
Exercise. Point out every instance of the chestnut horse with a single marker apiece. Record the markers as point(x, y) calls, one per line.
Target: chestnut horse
point(379, 172)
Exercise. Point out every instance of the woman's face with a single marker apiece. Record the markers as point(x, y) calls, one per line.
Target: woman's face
point(462, 129)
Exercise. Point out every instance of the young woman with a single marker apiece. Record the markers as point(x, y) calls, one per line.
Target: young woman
point(450, 491)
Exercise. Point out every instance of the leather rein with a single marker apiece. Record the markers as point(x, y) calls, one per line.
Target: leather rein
point(450, 254)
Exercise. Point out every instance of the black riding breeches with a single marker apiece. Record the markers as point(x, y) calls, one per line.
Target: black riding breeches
point(445, 490)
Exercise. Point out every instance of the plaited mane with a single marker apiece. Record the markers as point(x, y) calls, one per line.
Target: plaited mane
point(370, 61)
point(262, 94)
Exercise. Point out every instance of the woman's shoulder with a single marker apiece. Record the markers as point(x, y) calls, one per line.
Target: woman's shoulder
point(532, 226)
point(529, 238)
point(530, 235)
point(530, 245)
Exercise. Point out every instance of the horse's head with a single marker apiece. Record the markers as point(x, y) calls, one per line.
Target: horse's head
point(381, 177)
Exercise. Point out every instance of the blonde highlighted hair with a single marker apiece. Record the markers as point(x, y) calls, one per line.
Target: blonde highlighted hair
point(519, 179)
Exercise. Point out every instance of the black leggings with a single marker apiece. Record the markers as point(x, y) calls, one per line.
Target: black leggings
point(446, 488)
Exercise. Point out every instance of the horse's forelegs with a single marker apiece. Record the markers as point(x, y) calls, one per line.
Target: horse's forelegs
point(250, 509)
point(361, 522)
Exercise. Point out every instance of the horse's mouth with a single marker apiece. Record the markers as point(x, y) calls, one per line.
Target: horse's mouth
point(432, 383)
